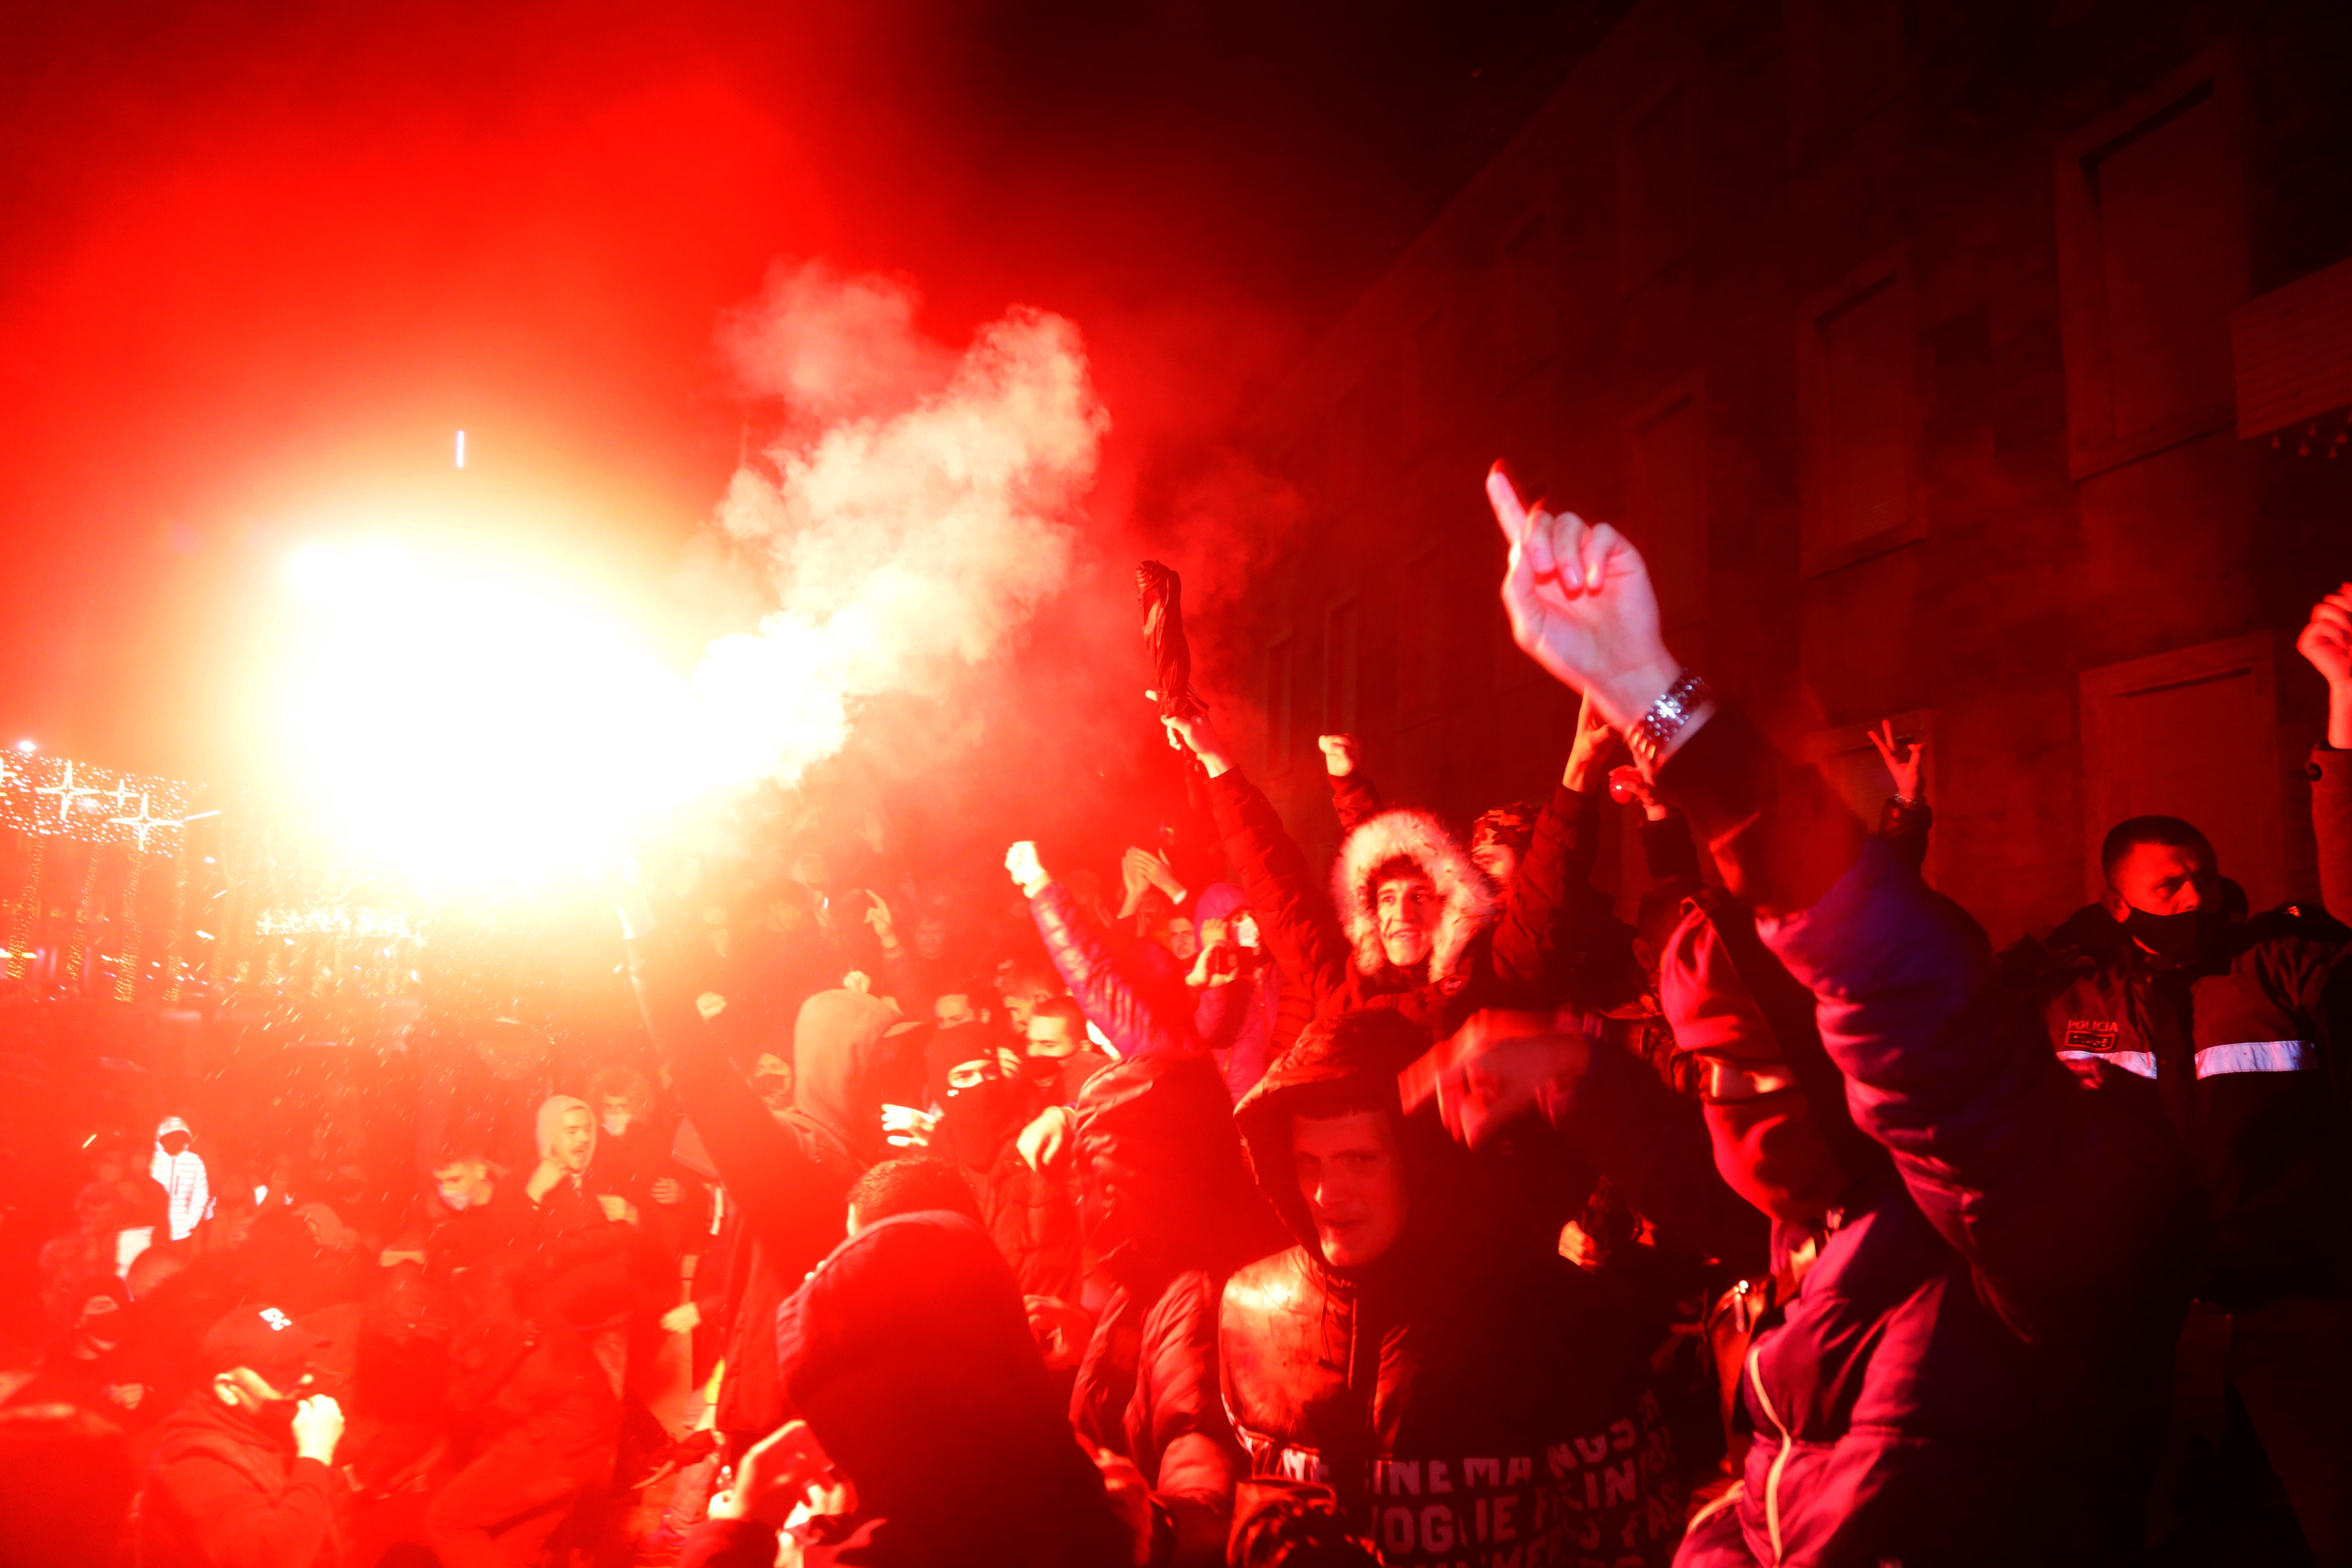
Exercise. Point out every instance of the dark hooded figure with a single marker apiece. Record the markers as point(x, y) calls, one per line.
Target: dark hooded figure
point(1977, 1266)
point(908, 1354)
point(1464, 1391)
point(1030, 1214)
point(1168, 1206)
point(852, 1054)
point(788, 1172)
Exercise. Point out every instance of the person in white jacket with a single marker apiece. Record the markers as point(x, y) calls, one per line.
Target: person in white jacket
point(179, 1170)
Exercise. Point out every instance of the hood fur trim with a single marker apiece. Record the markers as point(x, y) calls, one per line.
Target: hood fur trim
point(1468, 898)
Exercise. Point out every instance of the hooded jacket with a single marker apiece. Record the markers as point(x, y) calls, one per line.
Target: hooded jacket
point(581, 1257)
point(182, 1177)
point(1468, 1396)
point(1554, 921)
point(1031, 1214)
point(224, 1491)
point(908, 1353)
point(853, 1054)
point(1239, 1020)
point(1964, 1361)
point(789, 1175)
point(2239, 1047)
point(1170, 1210)
point(1487, 952)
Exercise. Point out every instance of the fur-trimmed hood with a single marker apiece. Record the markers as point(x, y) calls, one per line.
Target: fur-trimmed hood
point(1470, 905)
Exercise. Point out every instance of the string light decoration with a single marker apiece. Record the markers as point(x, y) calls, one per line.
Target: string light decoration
point(60, 797)
point(116, 820)
point(272, 931)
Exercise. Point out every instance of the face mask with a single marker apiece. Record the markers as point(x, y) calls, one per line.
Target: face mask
point(1246, 932)
point(457, 1197)
point(2173, 938)
point(975, 1123)
point(615, 1122)
point(1771, 1153)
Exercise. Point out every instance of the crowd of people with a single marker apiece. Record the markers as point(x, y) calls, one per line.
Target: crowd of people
point(1417, 1210)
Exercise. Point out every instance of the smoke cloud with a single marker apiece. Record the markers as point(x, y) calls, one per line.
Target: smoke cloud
point(917, 509)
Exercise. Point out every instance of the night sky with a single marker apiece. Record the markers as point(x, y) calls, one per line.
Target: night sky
point(262, 261)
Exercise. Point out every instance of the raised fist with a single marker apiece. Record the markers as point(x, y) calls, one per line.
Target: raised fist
point(1339, 754)
point(1201, 738)
point(2326, 637)
point(1027, 871)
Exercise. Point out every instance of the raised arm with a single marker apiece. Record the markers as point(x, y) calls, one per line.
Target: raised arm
point(1138, 1023)
point(902, 977)
point(2070, 1204)
point(1552, 918)
point(784, 1195)
point(1293, 913)
point(1355, 798)
point(1905, 820)
point(2327, 642)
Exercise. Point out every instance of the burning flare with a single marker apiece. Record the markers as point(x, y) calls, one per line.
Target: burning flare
point(475, 726)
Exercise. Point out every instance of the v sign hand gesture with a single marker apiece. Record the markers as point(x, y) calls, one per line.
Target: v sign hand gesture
point(1905, 759)
point(1582, 604)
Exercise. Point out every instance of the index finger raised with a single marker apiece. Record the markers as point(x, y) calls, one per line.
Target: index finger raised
point(1510, 511)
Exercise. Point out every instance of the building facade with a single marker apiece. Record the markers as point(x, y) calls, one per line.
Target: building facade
point(1979, 366)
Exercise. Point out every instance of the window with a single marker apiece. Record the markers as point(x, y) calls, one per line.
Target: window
point(1280, 736)
point(1658, 186)
point(1855, 353)
point(1524, 302)
point(2294, 350)
point(1340, 669)
point(2152, 258)
point(2193, 734)
point(1669, 512)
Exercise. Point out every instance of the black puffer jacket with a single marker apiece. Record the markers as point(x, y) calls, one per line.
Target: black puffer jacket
point(1171, 1211)
point(1466, 1394)
point(908, 1353)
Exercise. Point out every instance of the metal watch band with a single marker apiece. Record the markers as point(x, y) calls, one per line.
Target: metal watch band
point(1667, 715)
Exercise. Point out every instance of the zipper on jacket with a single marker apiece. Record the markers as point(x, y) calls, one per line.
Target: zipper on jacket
point(1780, 1460)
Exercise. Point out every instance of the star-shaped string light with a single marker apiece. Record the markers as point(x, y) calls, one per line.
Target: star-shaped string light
point(66, 794)
point(146, 822)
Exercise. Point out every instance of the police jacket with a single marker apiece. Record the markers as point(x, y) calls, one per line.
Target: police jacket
point(2242, 1044)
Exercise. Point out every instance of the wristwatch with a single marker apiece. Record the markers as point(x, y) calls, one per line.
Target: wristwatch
point(1648, 735)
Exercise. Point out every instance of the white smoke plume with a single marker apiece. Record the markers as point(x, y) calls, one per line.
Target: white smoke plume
point(920, 507)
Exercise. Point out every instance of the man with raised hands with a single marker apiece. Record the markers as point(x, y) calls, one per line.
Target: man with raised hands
point(1963, 1348)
